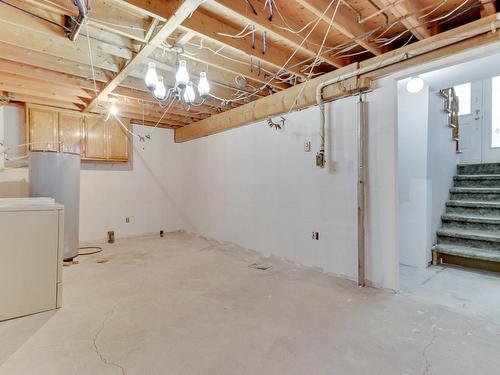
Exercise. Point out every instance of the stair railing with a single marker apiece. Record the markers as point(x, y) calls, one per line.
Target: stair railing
point(451, 106)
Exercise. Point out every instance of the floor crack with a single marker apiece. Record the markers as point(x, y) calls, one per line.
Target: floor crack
point(96, 348)
point(427, 370)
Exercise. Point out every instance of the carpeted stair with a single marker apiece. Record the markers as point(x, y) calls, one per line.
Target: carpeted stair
point(470, 234)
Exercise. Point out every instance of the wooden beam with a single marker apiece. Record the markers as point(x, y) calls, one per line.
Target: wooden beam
point(181, 11)
point(48, 76)
point(207, 27)
point(488, 8)
point(296, 97)
point(25, 98)
point(405, 10)
point(471, 35)
point(344, 22)
point(238, 10)
point(22, 30)
point(42, 60)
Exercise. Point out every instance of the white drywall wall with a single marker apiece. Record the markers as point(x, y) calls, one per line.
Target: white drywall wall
point(256, 186)
point(145, 189)
point(427, 164)
point(413, 115)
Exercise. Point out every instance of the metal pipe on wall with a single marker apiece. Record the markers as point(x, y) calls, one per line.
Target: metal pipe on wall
point(78, 22)
point(361, 187)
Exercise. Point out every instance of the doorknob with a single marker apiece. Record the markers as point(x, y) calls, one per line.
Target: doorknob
point(477, 117)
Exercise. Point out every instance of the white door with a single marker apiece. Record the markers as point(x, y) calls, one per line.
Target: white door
point(491, 120)
point(470, 120)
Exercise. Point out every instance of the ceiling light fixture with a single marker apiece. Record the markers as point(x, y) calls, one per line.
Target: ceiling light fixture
point(182, 76)
point(189, 94)
point(415, 85)
point(160, 91)
point(203, 85)
point(151, 78)
point(184, 88)
point(113, 109)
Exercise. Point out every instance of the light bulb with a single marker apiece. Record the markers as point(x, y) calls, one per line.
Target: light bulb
point(113, 109)
point(160, 91)
point(151, 78)
point(203, 85)
point(182, 75)
point(415, 85)
point(189, 94)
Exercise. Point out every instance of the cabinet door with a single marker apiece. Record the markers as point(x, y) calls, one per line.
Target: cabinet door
point(118, 140)
point(95, 138)
point(43, 129)
point(70, 132)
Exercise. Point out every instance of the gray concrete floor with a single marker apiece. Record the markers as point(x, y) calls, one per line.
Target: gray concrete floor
point(185, 305)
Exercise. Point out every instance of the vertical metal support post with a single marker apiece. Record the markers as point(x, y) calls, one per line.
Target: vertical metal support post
point(361, 188)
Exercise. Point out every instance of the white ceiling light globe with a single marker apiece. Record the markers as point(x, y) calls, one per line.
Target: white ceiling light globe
point(203, 85)
point(151, 78)
point(189, 94)
point(160, 91)
point(182, 76)
point(415, 85)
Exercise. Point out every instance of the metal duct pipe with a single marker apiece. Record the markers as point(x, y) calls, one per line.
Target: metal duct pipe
point(361, 188)
point(78, 22)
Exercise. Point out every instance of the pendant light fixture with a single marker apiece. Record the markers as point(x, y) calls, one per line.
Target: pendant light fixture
point(151, 78)
point(203, 85)
point(160, 91)
point(189, 94)
point(184, 89)
point(182, 76)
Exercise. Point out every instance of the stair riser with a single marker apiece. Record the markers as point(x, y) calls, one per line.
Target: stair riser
point(474, 211)
point(477, 183)
point(468, 242)
point(493, 168)
point(480, 197)
point(470, 225)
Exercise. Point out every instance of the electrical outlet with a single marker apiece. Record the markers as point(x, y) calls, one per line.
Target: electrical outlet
point(307, 146)
point(127, 220)
point(315, 236)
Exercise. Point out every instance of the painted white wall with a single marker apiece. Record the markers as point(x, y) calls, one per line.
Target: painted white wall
point(256, 186)
point(413, 115)
point(426, 166)
point(146, 189)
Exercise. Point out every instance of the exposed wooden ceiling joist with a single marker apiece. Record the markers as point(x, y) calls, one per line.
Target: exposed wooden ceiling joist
point(406, 10)
point(179, 12)
point(344, 22)
point(304, 95)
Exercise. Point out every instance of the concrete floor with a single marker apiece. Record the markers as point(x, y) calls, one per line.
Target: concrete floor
point(185, 305)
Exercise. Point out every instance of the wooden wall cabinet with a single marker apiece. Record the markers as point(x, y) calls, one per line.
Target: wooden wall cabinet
point(105, 140)
point(89, 135)
point(43, 129)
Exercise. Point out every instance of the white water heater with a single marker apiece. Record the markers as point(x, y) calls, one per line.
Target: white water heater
point(57, 175)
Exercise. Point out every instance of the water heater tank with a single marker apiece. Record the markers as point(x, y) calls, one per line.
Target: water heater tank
point(57, 175)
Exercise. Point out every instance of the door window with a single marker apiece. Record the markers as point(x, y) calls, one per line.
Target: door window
point(464, 98)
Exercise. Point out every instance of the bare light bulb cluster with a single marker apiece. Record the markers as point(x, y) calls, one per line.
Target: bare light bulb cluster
point(183, 86)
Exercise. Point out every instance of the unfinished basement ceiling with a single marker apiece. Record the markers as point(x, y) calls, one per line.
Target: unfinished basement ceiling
point(108, 60)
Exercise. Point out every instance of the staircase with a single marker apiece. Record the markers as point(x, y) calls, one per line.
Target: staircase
point(470, 234)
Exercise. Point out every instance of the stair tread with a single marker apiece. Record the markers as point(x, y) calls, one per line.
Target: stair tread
point(477, 177)
point(492, 236)
point(468, 190)
point(463, 203)
point(472, 218)
point(468, 252)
